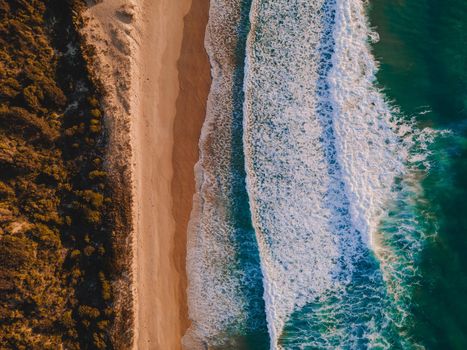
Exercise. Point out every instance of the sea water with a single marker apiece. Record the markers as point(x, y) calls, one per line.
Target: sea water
point(318, 207)
point(225, 290)
point(423, 55)
point(327, 158)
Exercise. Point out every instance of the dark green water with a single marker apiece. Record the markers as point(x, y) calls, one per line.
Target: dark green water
point(423, 57)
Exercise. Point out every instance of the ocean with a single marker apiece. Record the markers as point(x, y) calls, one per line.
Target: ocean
point(423, 57)
point(329, 209)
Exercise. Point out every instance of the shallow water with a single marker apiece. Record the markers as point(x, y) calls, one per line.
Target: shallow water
point(225, 282)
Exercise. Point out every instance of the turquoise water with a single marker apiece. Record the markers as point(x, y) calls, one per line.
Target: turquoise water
point(225, 291)
point(423, 56)
point(331, 206)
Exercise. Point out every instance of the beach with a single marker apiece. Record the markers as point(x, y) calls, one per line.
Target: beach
point(290, 198)
point(174, 82)
point(233, 174)
point(155, 72)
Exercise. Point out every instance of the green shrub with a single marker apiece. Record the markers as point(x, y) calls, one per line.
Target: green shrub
point(88, 312)
point(96, 113)
point(97, 174)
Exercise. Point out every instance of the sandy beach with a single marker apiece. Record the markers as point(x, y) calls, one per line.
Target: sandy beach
point(154, 68)
point(174, 85)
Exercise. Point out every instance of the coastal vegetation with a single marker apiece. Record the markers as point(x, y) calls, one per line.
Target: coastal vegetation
point(57, 260)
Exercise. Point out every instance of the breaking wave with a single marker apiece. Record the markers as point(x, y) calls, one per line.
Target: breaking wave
point(306, 223)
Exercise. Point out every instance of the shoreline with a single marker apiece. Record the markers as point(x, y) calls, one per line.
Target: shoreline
point(194, 84)
point(156, 75)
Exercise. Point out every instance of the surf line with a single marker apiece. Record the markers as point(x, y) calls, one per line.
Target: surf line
point(361, 149)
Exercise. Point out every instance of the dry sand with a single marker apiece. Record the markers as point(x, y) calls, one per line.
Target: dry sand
point(157, 77)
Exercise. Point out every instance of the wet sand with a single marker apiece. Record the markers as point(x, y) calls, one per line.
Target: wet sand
point(174, 82)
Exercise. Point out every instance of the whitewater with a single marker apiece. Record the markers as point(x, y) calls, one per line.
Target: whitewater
point(305, 229)
point(225, 283)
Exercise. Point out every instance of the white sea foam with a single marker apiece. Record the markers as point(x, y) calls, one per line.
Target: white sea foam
point(217, 305)
point(323, 148)
point(373, 146)
point(288, 169)
point(322, 151)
